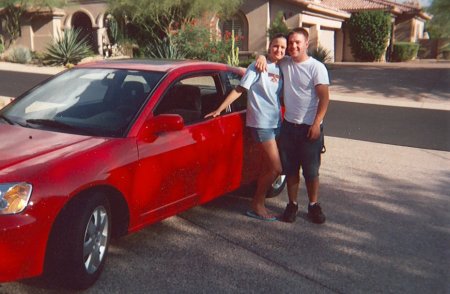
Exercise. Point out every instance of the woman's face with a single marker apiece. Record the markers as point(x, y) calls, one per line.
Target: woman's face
point(277, 48)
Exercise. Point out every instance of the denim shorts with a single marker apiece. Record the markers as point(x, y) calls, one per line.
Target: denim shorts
point(263, 135)
point(297, 151)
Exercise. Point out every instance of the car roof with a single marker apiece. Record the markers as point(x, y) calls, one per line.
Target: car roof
point(160, 65)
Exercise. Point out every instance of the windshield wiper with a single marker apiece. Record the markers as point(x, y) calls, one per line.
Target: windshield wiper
point(58, 125)
point(7, 119)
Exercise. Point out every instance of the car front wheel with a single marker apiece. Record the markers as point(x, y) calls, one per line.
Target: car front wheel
point(277, 186)
point(80, 243)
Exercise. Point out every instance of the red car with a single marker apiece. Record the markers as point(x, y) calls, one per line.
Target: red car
point(107, 148)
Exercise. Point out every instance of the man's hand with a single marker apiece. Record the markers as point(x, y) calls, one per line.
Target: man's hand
point(314, 132)
point(261, 63)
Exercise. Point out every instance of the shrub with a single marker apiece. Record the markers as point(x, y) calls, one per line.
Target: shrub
point(2, 45)
point(19, 55)
point(321, 54)
point(246, 63)
point(369, 33)
point(446, 52)
point(194, 40)
point(69, 48)
point(278, 26)
point(404, 51)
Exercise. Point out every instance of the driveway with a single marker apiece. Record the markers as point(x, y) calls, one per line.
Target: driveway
point(387, 231)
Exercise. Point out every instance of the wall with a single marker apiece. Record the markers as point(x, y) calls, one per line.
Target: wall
point(257, 14)
point(327, 41)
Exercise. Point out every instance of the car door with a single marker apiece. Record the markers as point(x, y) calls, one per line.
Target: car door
point(179, 167)
point(240, 145)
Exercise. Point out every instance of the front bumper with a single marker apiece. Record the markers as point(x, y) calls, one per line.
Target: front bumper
point(22, 246)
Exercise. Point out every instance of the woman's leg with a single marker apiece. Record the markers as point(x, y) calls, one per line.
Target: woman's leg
point(271, 169)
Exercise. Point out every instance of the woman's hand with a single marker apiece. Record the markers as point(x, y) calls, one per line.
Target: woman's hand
point(213, 114)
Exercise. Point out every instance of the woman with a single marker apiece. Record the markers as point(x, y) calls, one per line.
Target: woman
point(263, 119)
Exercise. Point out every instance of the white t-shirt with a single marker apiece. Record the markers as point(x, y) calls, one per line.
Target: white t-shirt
point(300, 79)
point(263, 92)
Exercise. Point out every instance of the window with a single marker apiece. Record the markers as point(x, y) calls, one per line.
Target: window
point(239, 24)
point(191, 98)
point(102, 102)
point(232, 81)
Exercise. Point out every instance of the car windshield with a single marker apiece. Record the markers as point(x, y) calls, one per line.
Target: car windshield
point(100, 102)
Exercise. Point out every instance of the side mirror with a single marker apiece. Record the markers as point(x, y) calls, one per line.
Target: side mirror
point(162, 123)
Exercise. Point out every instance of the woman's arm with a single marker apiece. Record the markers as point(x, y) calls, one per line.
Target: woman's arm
point(234, 94)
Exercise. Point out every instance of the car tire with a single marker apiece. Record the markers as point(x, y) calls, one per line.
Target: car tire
point(79, 244)
point(277, 187)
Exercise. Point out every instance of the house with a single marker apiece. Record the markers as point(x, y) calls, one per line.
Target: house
point(324, 19)
point(407, 19)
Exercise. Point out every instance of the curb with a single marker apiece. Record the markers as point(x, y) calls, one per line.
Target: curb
point(334, 96)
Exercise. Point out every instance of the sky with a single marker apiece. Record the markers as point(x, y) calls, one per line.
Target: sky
point(423, 3)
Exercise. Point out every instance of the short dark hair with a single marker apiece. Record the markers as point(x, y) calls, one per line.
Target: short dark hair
point(300, 31)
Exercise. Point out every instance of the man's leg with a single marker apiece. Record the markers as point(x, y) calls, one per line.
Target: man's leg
point(312, 187)
point(291, 167)
point(293, 184)
point(311, 164)
point(315, 213)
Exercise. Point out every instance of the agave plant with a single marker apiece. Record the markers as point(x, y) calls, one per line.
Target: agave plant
point(69, 48)
point(164, 48)
point(321, 54)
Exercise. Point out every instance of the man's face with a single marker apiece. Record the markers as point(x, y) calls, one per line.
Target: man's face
point(297, 45)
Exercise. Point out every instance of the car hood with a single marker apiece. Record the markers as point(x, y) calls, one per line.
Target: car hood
point(18, 144)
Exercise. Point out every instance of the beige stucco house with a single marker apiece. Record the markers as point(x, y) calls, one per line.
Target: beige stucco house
point(324, 19)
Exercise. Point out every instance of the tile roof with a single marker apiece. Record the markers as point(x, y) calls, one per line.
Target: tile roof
point(361, 5)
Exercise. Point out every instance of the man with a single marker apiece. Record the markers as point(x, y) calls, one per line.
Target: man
point(306, 99)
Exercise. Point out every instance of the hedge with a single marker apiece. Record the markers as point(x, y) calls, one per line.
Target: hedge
point(405, 51)
point(369, 33)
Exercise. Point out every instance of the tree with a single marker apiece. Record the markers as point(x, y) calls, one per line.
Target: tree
point(13, 11)
point(439, 25)
point(278, 26)
point(369, 33)
point(147, 20)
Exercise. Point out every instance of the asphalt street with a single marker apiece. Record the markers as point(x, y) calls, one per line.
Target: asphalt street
point(387, 204)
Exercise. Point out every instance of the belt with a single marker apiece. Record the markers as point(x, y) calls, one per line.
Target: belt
point(296, 125)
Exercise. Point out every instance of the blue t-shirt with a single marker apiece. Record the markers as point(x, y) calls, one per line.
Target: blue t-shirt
point(263, 96)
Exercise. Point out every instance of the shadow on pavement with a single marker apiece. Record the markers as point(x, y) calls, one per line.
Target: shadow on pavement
point(415, 84)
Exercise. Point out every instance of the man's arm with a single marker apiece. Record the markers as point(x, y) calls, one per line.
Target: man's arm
point(261, 63)
point(324, 99)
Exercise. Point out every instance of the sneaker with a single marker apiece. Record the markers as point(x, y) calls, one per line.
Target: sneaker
point(315, 214)
point(290, 213)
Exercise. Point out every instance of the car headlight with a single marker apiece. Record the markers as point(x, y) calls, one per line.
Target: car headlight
point(14, 197)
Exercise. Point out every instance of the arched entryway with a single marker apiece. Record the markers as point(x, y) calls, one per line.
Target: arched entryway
point(82, 22)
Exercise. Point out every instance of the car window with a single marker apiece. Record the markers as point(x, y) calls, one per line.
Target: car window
point(191, 98)
point(232, 80)
point(102, 102)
